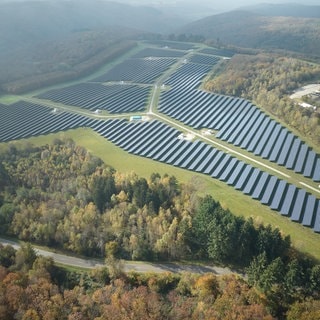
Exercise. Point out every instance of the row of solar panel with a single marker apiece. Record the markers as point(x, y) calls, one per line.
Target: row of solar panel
point(23, 120)
point(113, 98)
point(203, 59)
point(241, 123)
point(188, 76)
point(160, 142)
point(137, 70)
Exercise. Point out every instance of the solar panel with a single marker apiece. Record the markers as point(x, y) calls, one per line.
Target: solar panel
point(163, 149)
point(172, 150)
point(254, 178)
point(264, 138)
point(271, 141)
point(145, 143)
point(206, 161)
point(316, 226)
point(236, 173)
point(258, 191)
point(258, 134)
point(279, 195)
point(112, 128)
point(198, 159)
point(309, 211)
point(222, 165)
point(276, 150)
point(269, 190)
point(243, 178)
point(233, 121)
point(145, 131)
point(147, 138)
point(285, 149)
point(310, 164)
point(243, 124)
point(195, 153)
point(119, 132)
point(228, 171)
point(229, 119)
point(247, 127)
point(160, 143)
point(214, 162)
point(132, 135)
point(298, 205)
point(288, 200)
point(290, 163)
point(185, 148)
point(301, 158)
point(316, 174)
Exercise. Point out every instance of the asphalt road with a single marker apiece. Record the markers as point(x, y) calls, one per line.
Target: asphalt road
point(140, 266)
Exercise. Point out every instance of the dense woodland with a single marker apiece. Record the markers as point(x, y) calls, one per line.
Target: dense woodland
point(49, 42)
point(61, 196)
point(268, 80)
point(32, 287)
point(77, 56)
point(262, 30)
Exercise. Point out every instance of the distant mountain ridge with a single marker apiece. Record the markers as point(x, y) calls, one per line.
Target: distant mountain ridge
point(246, 28)
point(285, 10)
point(37, 37)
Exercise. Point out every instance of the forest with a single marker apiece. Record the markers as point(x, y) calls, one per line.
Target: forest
point(268, 80)
point(75, 57)
point(61, 196)
point(279, 30)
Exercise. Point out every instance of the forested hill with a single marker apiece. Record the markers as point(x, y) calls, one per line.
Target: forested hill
point(248, 29)
point(285, 10)
point(54, 37)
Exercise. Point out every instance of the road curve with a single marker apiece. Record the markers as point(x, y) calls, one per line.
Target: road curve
point(141, 267)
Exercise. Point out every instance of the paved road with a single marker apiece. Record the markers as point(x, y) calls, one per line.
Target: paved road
point(128, 265)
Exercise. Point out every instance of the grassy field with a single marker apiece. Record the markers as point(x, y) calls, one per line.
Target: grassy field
point(302, 238)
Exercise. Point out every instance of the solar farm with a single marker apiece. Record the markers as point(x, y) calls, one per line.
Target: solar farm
point(128, 88)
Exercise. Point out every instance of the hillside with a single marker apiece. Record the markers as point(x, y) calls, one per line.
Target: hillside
point(248, 29)
point(54, 36)
point(285, 10)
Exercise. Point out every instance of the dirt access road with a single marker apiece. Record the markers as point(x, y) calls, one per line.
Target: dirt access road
point(140, 266)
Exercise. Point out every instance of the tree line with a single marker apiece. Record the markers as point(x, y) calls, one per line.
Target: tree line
point(32, 287)
point(267, 80)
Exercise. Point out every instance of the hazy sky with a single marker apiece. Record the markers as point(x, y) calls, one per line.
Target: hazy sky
point(213, 3)
point(214, 6)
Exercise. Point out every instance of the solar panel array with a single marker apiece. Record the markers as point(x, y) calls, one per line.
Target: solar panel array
point(204, 59)
point(115, 98)
point(161, 142)
point(137, 70)
point(188, 77)
point(24, 119)
point(238, 122)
